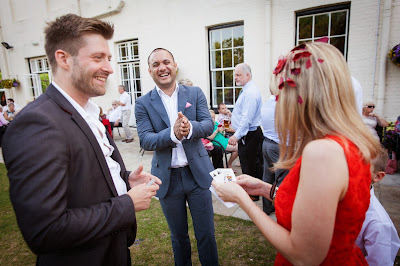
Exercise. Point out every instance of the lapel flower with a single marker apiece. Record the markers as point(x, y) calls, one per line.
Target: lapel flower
point(188, 104)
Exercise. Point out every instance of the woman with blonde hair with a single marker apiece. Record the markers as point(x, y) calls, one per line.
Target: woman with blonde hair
point(371, 119)
point(321, 204)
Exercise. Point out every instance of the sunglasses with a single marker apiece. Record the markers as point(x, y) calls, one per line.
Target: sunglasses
point(370, 106)
point(274, 188)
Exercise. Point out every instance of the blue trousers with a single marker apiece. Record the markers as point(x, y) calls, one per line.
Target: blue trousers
point(182, 188)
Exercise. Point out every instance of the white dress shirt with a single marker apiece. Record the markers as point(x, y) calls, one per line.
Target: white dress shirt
point(246, 115)
point(90, 113)
point(125, 99)
point(114, 114)
point(179, 158)
point(268, 119)
point(378, 239)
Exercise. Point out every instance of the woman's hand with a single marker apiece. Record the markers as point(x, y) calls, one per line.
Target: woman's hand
point(230, 191)
point(254, 186)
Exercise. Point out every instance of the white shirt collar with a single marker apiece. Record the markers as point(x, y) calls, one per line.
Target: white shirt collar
point(160, 92)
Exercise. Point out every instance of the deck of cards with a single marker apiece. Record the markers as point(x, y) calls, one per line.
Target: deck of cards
point(223, 175)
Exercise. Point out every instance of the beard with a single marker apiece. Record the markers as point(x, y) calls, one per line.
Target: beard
point(82, 81)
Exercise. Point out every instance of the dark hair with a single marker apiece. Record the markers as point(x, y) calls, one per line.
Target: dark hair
point(148, 58)
point(66, 33)
point(11, 99)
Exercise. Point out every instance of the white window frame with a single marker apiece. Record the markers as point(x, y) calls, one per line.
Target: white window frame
point(131, 62)
point(322, 11)
point(38, 65)
point(222, 69)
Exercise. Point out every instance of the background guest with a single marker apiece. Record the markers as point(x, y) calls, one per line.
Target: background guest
point(371, 119)
point(378, 239)
point(246, 121)
point(218, 136)
point(10, 113)
point(125, 103)
point(114, 114)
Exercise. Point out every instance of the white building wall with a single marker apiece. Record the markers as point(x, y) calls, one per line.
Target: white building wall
point(181, 26)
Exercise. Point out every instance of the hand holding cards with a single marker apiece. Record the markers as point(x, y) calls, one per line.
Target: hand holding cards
point(223, 175)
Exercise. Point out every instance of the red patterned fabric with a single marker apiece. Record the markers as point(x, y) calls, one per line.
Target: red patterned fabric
point(350, 213)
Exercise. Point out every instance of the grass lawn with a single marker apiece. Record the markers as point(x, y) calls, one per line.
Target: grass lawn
point(239, 242)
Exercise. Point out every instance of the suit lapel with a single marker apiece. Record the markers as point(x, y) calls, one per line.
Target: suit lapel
point(158, 105)
point(182, 99)
point(77, 118)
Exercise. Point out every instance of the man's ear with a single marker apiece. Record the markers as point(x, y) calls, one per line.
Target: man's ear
point(63, 59)
point(378, 176)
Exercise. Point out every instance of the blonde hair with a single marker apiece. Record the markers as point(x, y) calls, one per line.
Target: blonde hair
point(185, 81)
point(212, 112)
point(328, 104)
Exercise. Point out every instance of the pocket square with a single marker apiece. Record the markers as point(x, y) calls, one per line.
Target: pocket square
point(188, 104)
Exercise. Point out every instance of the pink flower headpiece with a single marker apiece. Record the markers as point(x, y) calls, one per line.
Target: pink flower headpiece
point(296, 54)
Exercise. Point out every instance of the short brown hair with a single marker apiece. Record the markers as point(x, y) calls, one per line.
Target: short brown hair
point(380, 161)
point(66, 33)
point(220, 104)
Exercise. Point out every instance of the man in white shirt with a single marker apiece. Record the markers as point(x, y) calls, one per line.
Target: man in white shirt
point(74, 200)
point(125, 103)
point(378, 239)
point(171, 119)
point(114, 114)
point(246, 121)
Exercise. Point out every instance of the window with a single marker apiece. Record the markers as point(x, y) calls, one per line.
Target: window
point(128, 63)
point(40, 76)
point(332, 22)
point(226, 51)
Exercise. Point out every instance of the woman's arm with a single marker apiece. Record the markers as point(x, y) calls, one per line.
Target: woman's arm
point(381, 121)
point(323, 182)
point(6, 116)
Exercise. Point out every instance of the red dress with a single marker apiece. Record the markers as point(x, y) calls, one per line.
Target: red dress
point(350, 213)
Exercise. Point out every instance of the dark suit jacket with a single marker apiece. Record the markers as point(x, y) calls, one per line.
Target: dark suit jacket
point(62, 191)
point(154, 133)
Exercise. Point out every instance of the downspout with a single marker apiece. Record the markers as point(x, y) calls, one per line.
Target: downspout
point(268, 33)
point(383, 51)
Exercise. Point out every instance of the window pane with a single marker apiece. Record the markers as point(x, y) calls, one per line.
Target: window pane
point(228, 96)
point(305, 27)
point(218, 96)
point(227, 38)
point(123, 53)
point(237, 92)
point(238, 36)
point(227, 57)
point(137, 72)
point(218, 78)
point(138, 88)
point(136, 51)
point(321, 25)
point(216, 59)
point(216, 39)
point(338, 42)
point(338, 23)
point(228, 78)
point(238, 56)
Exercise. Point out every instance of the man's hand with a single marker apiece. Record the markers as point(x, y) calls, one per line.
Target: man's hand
point(141, 196)
point(233, 140)
point(139, 177)
point(182, 126)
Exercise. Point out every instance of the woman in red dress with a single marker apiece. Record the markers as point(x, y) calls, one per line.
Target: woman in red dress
point(321, 204)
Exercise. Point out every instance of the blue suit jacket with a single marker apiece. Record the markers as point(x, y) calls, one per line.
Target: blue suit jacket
point(154, 130)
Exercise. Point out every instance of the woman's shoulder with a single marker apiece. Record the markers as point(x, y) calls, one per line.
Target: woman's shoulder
point(321, 148)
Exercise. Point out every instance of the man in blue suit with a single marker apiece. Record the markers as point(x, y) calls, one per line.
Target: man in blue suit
point(171, 120)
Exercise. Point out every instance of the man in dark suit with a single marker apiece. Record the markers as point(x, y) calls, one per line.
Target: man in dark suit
point(74, 200)
point(171, 120)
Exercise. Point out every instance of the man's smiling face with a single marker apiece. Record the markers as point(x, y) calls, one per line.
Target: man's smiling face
point(162, 69)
